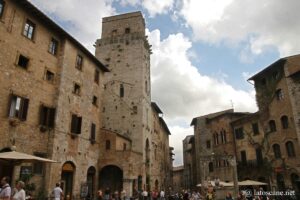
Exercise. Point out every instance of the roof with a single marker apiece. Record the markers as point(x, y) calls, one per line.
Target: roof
point(188, 138)
point(164, 125)
point(246, 118)
point(156, 108)
point(279, 62)
point(229, 113)
point(56, 28)
point(211, 115)
point(122, 16)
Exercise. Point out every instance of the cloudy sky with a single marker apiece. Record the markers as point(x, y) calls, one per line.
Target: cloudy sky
point(203, 50)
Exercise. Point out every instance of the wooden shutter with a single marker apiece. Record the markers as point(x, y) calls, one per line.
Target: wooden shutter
point(10, 100)
point(51, 117)
point(42, 115)
point(24, 109)
point(73, 124)
point(79, 119)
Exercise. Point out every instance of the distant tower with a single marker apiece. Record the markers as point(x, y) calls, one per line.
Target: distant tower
point(125, 50)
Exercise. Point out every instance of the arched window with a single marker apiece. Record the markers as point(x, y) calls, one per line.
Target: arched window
point(211, 167)
point(290, 149)
point(276, 150)
point(284, 122)
point(107, 144)
point(272, 126)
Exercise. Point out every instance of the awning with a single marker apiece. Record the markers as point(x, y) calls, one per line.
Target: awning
point(250, 183)
point(23, 157)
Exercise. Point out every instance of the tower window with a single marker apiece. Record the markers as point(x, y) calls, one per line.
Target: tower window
point(93, 133)
point(76, 124)
point(127, 30)
point(107, 144)
point(290, 149)
point(49, 76)
point(95, 101)
point(47, 116)
point(76, 89)
point(122, 90)
point(277, 151)
point(255, 129)
point(272, 126)
point(284, 122)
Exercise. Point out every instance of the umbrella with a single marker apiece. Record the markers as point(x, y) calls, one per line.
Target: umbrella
point(22, 157)
point(221, 183)
point(250, 183)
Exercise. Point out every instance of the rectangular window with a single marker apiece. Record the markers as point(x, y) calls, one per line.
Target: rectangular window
point(135, 109)
point(259, 156)
point(127, 30)
point(47, 116)
point(93, 133)
point(95, 101)
point(23, 61)
point(38, 167)
point(239, 133)
point(53, 46)
point(2, 4)
point(208, 144)
point(76, 89)
point(29, 29)
point(49, 76)
point(97, 75)
point(243, 158)
point(18, 107)
point(79, 61)
point(124, 146)
point(255, 129)
point(76, 124)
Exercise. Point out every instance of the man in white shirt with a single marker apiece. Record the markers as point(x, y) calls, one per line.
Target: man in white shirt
point(57, 192)
point(6, 189)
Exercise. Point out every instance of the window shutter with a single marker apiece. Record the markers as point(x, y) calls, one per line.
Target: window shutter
point(10, 100)
point(42, 115)
point(73, 124)
point(24, 109)
point(79, 119)
point(51, 117)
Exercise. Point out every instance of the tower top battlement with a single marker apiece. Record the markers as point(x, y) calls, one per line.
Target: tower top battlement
point(123, 24)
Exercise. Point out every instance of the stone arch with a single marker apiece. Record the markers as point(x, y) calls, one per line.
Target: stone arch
point(111, 176)
point(67, 178)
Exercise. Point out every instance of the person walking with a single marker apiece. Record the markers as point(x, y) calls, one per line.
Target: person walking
point(20, 193)
point(57, 192)
point(5, 192)
point(228, 196)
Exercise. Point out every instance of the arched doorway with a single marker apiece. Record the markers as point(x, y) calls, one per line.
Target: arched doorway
point(67, 176)
point(6, 168)
point(280, 182)
point(295, 182)
point(91, 175)
point(111, 177)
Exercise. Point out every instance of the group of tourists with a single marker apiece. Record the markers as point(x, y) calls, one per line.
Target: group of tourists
point(7, 193)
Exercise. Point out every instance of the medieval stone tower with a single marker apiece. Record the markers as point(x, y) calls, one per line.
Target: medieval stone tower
point(125, 50)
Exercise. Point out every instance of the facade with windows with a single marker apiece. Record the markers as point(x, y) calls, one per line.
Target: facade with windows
point(48, 106)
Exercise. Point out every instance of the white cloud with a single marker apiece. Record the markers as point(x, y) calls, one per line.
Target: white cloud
point(262, 25)
point(153, 7)
point(183, 92)
point(82, 18)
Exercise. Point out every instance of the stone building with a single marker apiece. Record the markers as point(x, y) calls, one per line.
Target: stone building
point(178, 184)
point(50, 105)
point(265, 143)
point(277, 95)
point(189, 161)
point(60, 102)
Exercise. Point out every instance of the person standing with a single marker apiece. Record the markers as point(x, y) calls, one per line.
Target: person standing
point(57, 192)
point(5, 193)
point(228, 196)
point(20, 193)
